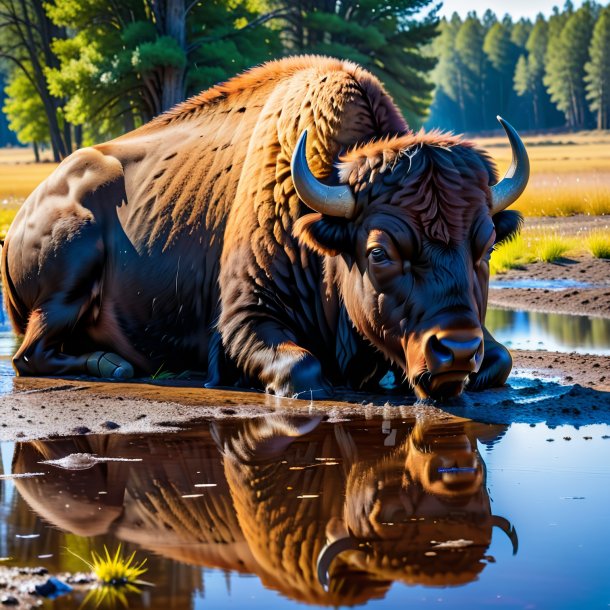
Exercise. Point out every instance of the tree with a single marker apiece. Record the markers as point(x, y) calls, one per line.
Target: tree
point(475, 71)
point(565, 63)
point(26, 42)
point(598, 70)
point(132, 60)
point(385, 37)
point(448, 109)
point(501, 53)
point(25, 111)
point(520, 32)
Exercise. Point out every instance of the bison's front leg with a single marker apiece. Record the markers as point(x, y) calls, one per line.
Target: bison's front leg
point(496, 366)
point(293, 371)
point(268, 352)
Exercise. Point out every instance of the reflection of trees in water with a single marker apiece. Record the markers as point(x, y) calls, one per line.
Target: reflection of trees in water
point(571, 331)
point(285, 489)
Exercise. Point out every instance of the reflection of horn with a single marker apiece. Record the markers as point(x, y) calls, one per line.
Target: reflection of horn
point(506, 192)
point(508, 529)
point(329, 552)
point(329, 200)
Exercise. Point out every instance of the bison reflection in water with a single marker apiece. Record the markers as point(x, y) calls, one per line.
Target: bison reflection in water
point(286, 228)
point(325, 514)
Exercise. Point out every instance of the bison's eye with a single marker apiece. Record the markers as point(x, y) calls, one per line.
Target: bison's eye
point(378, 255)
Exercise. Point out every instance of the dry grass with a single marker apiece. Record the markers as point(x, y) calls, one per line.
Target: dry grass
point(19, 180)
point(570, 173)
point(22, 155)
point(8, 211)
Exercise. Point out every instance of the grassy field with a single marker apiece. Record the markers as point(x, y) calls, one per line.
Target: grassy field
point(570, 175)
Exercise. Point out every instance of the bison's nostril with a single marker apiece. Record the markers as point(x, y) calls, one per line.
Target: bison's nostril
point(441, 354)
point(453, 353)
point(462, 350)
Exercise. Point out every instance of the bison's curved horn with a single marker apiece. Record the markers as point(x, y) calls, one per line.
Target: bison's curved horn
point(508, 529)
point(506, 192)
point(329, 552)
point(329, 200)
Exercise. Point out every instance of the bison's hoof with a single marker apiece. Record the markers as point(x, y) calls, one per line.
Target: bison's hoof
point(304, 381)
point(108, 365)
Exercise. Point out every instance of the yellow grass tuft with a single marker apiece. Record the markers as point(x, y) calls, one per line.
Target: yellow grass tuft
point(8, 211)
point(551, 247)
point(598, 243)
point(511, 254)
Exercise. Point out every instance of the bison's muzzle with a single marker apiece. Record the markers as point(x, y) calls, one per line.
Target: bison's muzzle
point(449, 358)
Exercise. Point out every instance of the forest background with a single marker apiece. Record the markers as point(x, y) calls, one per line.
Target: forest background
point(76, 72)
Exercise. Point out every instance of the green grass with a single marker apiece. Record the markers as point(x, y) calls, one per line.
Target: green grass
point(551, 247)
point(511, 254)
point(548, 247)
point(598, 243)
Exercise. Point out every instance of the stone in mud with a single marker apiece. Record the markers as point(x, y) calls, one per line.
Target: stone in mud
point(110, 425)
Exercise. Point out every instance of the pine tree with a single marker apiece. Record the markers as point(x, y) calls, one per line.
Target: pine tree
point(475, 68)
point(598, 70)
point(565, 63)
point(448, 109)
point(501, 53)
point(385, 37)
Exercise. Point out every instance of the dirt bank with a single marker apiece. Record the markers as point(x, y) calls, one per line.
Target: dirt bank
point(593, 300)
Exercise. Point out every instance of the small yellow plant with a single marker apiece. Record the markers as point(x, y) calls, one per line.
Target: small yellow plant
point(511, 254)
point(598, 244)
point(551, 247)
point(117, 576)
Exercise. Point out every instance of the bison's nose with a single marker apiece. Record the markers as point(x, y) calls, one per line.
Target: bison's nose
point(454, 351)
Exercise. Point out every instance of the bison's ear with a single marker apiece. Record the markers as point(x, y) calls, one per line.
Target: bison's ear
point(508, 223)
point(323, 234)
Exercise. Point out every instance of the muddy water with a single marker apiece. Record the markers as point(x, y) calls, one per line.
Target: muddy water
point(233, 514)
point(550, 331)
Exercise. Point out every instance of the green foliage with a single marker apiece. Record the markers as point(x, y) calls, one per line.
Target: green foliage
point(387, 38)
point(598, 243)
point(565, 64)
point(551, 248)
point(510, 254)
point(24, 110)
point(544, 74)
point(125, 65)
point(598, 70)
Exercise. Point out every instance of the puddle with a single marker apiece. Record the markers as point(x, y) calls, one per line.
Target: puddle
point(557, 284)
point(256, 513)
point(549, 331)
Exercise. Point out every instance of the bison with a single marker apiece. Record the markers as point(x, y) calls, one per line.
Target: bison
point(329, 514)
point(286, 230)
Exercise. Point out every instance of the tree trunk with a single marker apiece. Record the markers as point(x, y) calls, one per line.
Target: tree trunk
point(173, 77)
point(36, 152)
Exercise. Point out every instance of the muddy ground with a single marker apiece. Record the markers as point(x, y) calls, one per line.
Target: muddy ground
point(592, 300)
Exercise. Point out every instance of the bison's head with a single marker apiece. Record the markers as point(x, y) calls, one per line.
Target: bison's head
point(409, 226)
point(420, 514)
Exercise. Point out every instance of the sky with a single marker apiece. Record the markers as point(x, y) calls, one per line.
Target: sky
point(516, 8)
